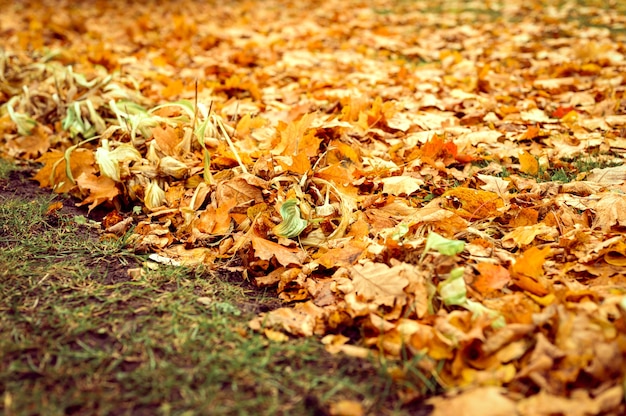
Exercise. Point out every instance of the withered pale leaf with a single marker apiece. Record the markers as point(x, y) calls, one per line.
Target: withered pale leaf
point(494, 184)
point(401, 185)
point(484, 401)
point(378, 283)
point(610, 210)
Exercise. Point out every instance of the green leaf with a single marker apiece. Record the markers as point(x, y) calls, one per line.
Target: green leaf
point(454, 293)
point(292, 224)
point(24, 123)
point(401, 230)
point(442, 245)
point(479, 309)
point(453, 290)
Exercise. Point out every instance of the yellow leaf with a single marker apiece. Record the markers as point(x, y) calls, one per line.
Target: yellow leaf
point(530, 263)
point(528, 163)
point(275, 336)
point(472, 203)
point(347, 408)
point(293, 137)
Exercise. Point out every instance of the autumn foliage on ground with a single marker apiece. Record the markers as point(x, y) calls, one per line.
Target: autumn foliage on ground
point(430, 179)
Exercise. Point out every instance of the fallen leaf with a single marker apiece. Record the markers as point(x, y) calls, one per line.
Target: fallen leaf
point(378, 283)
point(266, 250)
point(528, 163)
point(491, 277)
point(401, 185)
point(484, 401)
point(100, 189)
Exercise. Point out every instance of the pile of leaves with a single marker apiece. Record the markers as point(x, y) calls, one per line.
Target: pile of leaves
point(414, 181)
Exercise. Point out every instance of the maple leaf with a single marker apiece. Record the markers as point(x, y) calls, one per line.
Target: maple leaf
point(437, 148)
point(610, 210)
point(293, 137)
point(299, 163)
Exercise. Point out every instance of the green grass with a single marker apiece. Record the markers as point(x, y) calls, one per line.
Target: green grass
point(5, 168)
point(79, 335)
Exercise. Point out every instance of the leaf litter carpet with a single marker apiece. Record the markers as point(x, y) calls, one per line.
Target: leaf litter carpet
point(439, 183)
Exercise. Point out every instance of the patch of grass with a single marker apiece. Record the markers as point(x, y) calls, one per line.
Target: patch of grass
point(504, 173)
point(6, 168)
point(592, 161)
point(561, 175)
point(568, 169)
point(80, 335)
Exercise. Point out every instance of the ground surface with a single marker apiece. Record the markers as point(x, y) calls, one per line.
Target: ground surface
point(82, 336)
point(436, 185)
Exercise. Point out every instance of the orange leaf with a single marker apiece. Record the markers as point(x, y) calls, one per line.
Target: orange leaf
point(293, 133)
point(82, 161)
point(54, 207)
point(533, 286)
point(436, 148)
point(472, 203)
point(342, 256)
point(527, 271)
point(531, 133)
point(528, 163)
point(562, 112)
point(33, 145)
point(526, 216)
point(265, 250)
point(298, 163)
point(340, 151)
point(530, 263)
point(173, 87)
point(101, 189)
point(492, 277)
point(167, 139)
